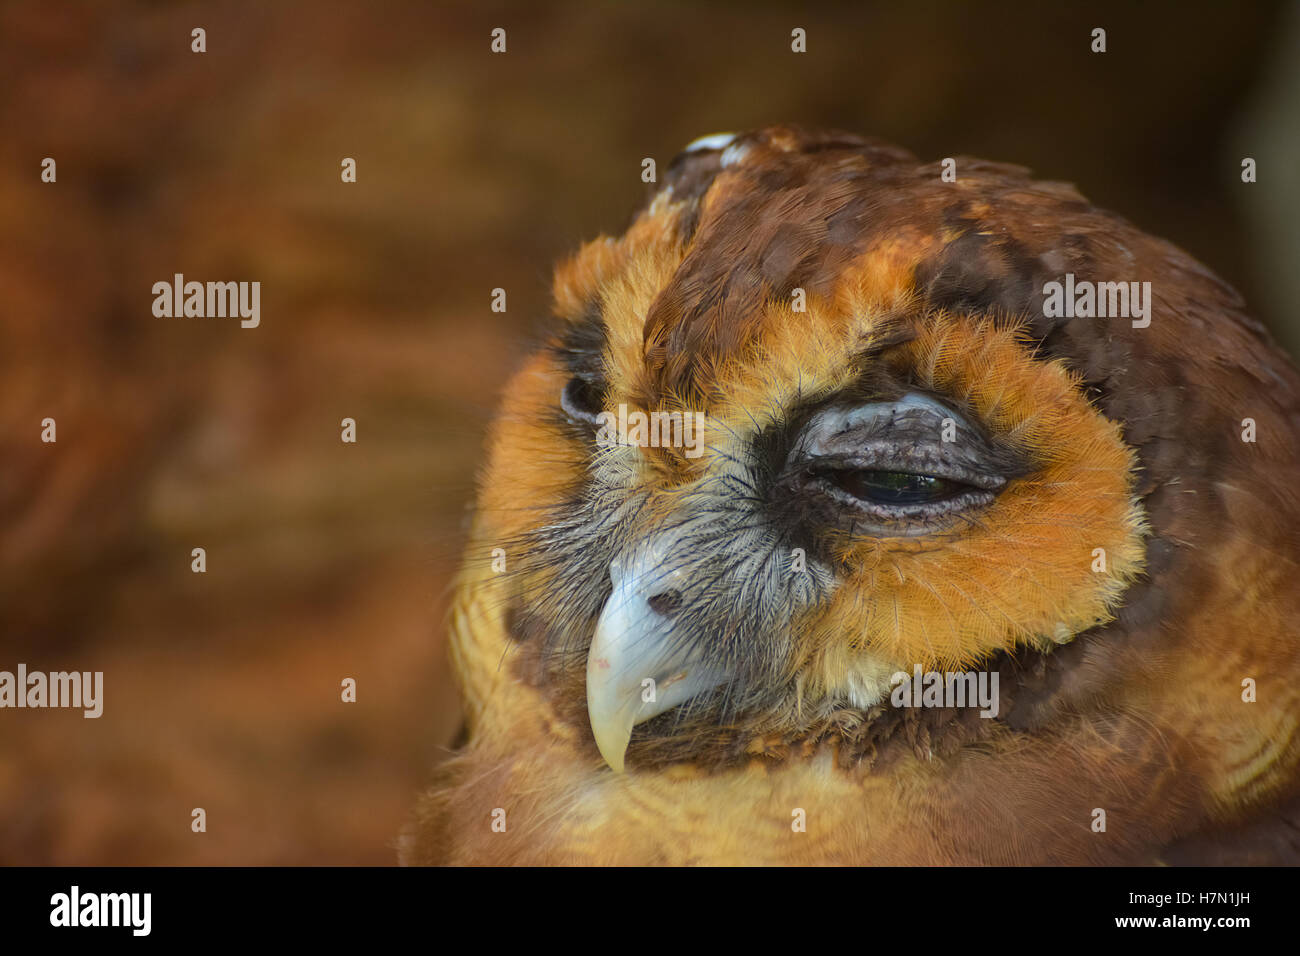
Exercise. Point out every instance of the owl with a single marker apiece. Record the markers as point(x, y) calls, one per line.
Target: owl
point(874, 512)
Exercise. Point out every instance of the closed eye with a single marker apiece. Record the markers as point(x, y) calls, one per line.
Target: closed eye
point(889, 503)
point(905, 467)
point(894, 487)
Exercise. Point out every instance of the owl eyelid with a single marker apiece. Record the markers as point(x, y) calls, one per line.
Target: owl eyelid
point(580, 400)
point(916, 416)
point(939, 508)
point(915, 434)
point(840, 445)
point(830, 504)
point(908, 459)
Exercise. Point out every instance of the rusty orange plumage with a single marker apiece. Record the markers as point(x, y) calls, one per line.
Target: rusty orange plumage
point(1093, 531)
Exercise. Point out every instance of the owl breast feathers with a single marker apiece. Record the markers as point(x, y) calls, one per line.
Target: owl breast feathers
point(860, 512)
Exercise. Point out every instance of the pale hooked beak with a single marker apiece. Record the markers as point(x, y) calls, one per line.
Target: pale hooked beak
point(640, 666)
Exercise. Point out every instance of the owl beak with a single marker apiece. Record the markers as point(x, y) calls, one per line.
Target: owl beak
point(641, 663)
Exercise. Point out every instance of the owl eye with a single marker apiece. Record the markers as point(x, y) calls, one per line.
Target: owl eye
point(895, 487)
point(884, 498)
point(907, 466)
point(582, 401)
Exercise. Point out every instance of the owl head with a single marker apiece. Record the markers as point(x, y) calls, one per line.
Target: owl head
point(825, 414)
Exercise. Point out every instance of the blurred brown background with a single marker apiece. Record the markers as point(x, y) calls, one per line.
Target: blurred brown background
point(328, 560)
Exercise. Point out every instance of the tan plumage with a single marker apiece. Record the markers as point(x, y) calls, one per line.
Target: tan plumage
point(1121, 688)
